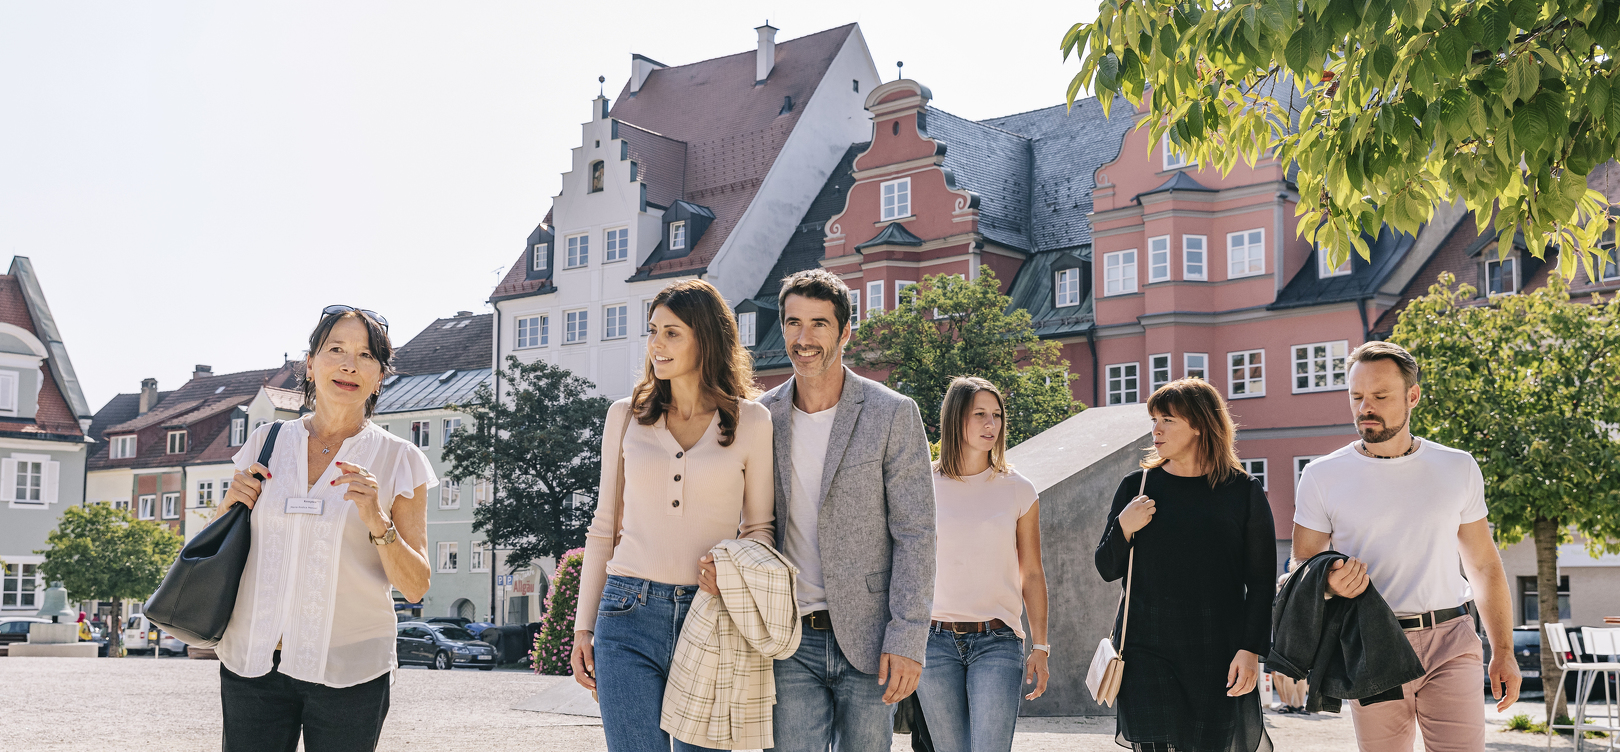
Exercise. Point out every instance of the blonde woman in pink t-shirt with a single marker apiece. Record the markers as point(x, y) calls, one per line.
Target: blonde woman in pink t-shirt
point(988, 573)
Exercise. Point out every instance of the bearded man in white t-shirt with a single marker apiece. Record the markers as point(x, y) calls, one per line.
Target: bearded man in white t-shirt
point(1407, 511)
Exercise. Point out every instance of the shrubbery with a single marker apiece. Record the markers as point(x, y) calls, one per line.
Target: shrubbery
point(556, 639)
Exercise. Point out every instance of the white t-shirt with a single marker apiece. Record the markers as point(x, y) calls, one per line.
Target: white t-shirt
point(1400, 516)
point(976, 577)
point(800, 543)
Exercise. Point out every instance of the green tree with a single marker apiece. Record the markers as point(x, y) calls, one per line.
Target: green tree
point(1385, 106)
point(1526, 384)
point(554, 646)
point(105, 554)
point(541, 442)
point(948, 327)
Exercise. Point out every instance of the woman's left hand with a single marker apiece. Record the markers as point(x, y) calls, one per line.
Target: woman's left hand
point(363, 492)
point(1243, 674)
point(1035, 672)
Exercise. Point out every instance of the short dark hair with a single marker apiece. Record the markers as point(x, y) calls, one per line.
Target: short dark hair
point(376, 341)
point(816, 284)
point(1411, 373)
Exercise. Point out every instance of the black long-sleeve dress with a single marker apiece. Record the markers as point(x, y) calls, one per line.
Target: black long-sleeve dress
point(1204, 579)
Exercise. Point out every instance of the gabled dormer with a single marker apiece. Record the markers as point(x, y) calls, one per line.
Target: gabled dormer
point(754, 320)
point(541, 247)
point(1071, 280)
point(683, 226)
point(21, 375)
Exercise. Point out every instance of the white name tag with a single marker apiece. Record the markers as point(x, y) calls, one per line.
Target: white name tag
point(304, 506)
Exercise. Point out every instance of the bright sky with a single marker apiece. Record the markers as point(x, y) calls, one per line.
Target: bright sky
point(194, 181)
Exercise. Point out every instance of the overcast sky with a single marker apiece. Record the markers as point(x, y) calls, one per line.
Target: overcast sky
point(194, 181)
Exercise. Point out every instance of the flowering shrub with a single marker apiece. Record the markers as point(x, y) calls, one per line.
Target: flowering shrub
point(556, 639)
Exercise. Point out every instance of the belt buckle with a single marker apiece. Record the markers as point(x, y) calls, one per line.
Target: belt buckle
point(816, 624)
point(956, 631)
point(1427, 616)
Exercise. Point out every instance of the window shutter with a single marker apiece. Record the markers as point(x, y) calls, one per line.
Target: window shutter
point(8, 390)
point(8, 479)
point(52, 472)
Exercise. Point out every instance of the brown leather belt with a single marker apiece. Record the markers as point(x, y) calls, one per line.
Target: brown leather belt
point(818, 620)
point(965, 627)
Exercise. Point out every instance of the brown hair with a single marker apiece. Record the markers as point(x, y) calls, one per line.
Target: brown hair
point(816, 284)
point(953, 414)
point(1196, 402)
point(376, 341)
point(1411, 374)
point(724, 366)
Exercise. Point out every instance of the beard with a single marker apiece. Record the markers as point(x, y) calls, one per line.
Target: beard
point(823, 363)
point(1384, 432)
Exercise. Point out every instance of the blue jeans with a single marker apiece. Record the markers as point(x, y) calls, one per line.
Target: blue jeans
point(822, 701)
point(637, 626)
point(970, 689)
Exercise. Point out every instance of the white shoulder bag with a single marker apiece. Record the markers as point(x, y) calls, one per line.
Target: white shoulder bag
point(1107, 667)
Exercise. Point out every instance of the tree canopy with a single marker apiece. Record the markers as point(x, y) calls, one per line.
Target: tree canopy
point(105, 554)
point(541, 443)
point(948, 326)
point(1386, 107)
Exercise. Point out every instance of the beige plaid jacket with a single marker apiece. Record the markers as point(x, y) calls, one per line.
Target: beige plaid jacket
point(722, 687)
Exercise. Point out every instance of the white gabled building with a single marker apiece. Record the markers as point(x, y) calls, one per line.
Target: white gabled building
point(697, 171)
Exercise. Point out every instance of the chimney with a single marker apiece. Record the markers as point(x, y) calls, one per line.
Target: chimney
point(640, 68)
point(463, 314)
point(765, 58)
point(202, 371)
point(149, 395)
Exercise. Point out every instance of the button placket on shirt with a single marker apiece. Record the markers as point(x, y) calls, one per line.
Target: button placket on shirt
point(674, 486)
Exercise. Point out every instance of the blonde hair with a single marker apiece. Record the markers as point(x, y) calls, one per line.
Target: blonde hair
point(1196, 402)
point(953, 413)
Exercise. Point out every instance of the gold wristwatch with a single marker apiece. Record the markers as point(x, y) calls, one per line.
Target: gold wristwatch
point(387, 537)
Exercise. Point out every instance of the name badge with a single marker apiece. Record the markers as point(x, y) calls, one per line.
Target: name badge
point(304, 506)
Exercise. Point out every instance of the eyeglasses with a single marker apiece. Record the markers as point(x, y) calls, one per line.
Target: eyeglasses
point(332, 310)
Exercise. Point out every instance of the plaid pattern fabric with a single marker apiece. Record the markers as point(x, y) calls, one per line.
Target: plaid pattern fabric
point(722, 685)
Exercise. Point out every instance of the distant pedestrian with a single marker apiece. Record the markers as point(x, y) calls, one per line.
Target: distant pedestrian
point(339, 521)
point(686, 464)
point(1200, 611)
point(988, 574)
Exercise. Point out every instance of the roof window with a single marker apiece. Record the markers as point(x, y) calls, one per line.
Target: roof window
point(443, 377)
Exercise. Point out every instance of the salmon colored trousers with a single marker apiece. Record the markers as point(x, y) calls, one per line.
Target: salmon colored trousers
point(1447, 704)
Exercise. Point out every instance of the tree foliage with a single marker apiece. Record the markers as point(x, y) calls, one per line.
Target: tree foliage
point(541, 442)
point(105, 554)
point(1385, 106)
point(555, 643)
point(947, 327)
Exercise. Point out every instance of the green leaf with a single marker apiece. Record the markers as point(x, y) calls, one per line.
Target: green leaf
point(1383, 61)
point(1529, 74)
point(1275, 16)
point(1612, 115)
point(1452, 50)
point(1529, 127)
point(1352, 164)
point(1298, 50)
point(1168, 43)
point(1107, 74)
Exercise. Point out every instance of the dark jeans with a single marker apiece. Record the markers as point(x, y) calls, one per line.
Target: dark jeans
point(266, 713)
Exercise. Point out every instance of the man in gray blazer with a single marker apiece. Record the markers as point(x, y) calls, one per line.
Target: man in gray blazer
point(855, 512)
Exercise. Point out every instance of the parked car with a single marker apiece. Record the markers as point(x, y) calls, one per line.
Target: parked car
point(441, 646)
point(14, 629)
point(459, 621)
point(140, 633)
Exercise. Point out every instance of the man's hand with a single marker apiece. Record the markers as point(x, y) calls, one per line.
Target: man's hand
point(1348, 578)
point(900, 675)
point(708, 578)
point(1505, 678)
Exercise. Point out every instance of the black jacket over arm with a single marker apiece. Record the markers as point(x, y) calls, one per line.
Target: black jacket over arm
point(1346, 648)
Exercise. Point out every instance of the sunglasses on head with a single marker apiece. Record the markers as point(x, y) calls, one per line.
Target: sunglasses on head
point(333, 310)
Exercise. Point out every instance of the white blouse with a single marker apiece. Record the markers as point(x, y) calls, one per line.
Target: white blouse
point(315, 583)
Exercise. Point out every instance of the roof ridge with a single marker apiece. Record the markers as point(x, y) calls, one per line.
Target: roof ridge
point(980, 123)
point(1077, 103)
point(645, 129)
point(756, 49)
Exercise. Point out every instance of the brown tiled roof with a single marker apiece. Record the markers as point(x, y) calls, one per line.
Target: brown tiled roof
point(514, 284)
point(660, 160)
point(733, 130)
point(199, 405)
point(458, 342)
point(54, 416)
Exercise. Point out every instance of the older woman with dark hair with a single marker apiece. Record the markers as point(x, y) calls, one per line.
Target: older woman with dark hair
point(339, 520)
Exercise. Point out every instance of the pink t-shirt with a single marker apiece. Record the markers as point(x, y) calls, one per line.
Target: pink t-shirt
point(977, 577)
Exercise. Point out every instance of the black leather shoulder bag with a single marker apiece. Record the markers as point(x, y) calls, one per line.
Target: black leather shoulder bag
point(195, 601)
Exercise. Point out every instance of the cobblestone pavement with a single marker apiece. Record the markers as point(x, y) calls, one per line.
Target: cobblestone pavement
point(172, 704)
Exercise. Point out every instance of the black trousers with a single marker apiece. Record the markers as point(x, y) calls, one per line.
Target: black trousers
point(266, 713)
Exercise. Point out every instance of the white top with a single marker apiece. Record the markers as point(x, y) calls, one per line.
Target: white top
point(800, 541)
point(976, 576)
point(1400, 516)
point(315, 582)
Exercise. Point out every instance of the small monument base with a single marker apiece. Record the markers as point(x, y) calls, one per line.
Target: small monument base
point(53, 650)
point(65, 633)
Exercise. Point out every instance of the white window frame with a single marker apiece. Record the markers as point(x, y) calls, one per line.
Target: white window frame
point(1195, 270)
point(1513, 265)
point(901, 284)
point(422, 433)
point(1245, 267)
point(171, 505)
point(29, 481)
point(1322, 270)
point(448, 553)
point(621, 312)
point(1611, 265)
point(170, 447)
point(1159, 259)
point(1119, 272)
point(21, 572)
point(531, 332)
point(449, 494)
point(677, 235)
point(539, 261)
point(1066, 288)
point(146, 507)
point(745, 328)
point(1174, 161)
point(480, 493)
point(123, 447)
point(478, 557)
point(579, 251)
point(1129, 379)
point(205, 494)
point(895, 199)
point(8, 391)
point(576, 326)
point(1154, 369)
point(615, 245)
point(646, 317)
point(449, 425)
point(1250, 466)
point(1333, 363)
point(854, 309)
point(1190, 371)
point(1243, 388)
point(238, 431)
point(874, 296)
point(1299, 467)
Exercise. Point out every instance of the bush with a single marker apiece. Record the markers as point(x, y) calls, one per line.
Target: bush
point(555, 642)
point(1521, 722)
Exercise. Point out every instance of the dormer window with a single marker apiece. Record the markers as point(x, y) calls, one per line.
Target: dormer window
point(896, 199)
point(123, 447)
point(1324, 271)
point(1502, 276)
point(238, 431)
point(1067, 288)
point(539, 261)
point(677, 236)
point(745, 328)
point(596, 176)
point(177, 442)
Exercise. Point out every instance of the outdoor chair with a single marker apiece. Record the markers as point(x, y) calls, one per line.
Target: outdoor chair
point(1565, 658)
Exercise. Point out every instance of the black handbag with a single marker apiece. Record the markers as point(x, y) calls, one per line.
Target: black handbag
point(195, 601)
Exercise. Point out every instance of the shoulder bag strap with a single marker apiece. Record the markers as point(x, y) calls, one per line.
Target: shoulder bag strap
point(618, 519)
point(269, 447)
point(1130, 571)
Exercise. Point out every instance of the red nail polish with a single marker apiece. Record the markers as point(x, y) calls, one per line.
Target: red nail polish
point(334, 482)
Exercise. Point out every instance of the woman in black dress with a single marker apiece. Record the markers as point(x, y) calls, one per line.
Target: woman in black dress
point(1201, 600)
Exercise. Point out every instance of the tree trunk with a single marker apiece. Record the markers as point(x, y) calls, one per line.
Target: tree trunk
point(1546, 532)
point(115, 630)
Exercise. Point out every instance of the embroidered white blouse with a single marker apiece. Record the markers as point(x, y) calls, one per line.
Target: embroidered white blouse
point(315, 583)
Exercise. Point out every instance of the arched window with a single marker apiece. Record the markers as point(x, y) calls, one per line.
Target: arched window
point(596, 176)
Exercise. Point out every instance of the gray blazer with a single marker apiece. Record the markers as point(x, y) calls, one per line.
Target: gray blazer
point(876, 525)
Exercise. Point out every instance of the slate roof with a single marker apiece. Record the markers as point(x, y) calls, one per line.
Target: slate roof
point(992, 163)
point(894, 234)
point(1032, 291)
point(459, 342)
point(197, 406)
point(432, 390)
point(1364, 279)
point(1180, 181)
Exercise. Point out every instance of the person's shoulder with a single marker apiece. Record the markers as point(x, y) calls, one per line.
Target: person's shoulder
point(752, 413)
point(876, 393)
point(1451, 454)
point(775, 393)
point(1017, 479)
point(1335, 458)
point(388, 438)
